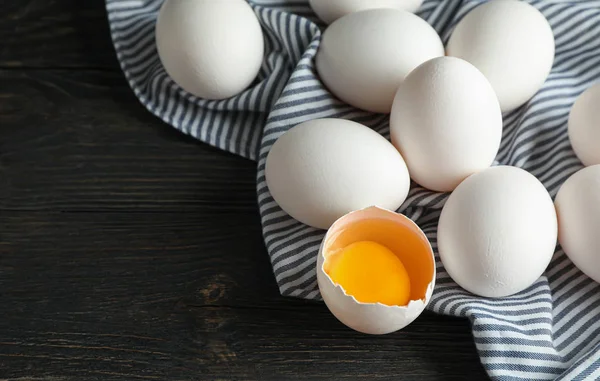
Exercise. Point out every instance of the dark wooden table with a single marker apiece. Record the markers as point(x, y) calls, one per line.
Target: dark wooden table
point(130, 251)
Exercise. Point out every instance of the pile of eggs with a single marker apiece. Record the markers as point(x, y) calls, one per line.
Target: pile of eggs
point(499, 227)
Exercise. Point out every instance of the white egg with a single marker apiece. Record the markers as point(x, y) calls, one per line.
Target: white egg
point(392, 230)
point(324, 168)
point(331, 10)
point(365, 56)
point(497, 232)
point(511, 43)
point(578, 207)
point(584, 126)
point(446, 122)
point(212, 49)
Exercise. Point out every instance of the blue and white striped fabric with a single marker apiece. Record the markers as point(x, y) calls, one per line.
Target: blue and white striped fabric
point(549, 331)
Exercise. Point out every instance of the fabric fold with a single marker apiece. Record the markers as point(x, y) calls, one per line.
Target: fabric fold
point(549, 331)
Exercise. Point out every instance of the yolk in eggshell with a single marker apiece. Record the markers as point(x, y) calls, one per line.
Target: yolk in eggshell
point(371, 273)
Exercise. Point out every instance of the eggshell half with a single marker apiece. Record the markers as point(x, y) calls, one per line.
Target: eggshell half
point(446, 122)
point(584, 126)
point(331, 10)
point(324, 168)
point(376, 318)
point(578, 207)
point(497, 232)
point(365, 56)
point(212, 49)
point(511, 43)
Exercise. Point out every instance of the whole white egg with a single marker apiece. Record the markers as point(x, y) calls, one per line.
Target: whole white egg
point(331, 10)
point(324, 168)
point(446, 122)
point(365, 56)
point(584, 126)
point(578, 207)
point(511, 43)
point(212, 49)
point(497, 232)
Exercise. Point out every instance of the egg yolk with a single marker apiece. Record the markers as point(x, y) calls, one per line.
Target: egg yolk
point(371, 273)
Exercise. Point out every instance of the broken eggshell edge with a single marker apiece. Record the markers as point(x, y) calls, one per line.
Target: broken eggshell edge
point(369, 318)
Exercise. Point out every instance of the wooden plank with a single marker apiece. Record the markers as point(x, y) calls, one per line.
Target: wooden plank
point(185, 296)
point(55, 34)
point(129, 251)
point(72, 140)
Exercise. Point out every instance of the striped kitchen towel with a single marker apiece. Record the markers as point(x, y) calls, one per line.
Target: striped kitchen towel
point(550, 331)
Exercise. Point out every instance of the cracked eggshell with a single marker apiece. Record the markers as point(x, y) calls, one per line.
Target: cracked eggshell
point(212, 49)
point(364, 56)
point(578, 207)
point(497, 232)
point(377, 318)
point(331, 10)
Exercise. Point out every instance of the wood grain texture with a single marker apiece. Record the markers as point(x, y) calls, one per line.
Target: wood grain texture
point(129, 251)
point(174, 296)
point(55, 34)
point(75, 140)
